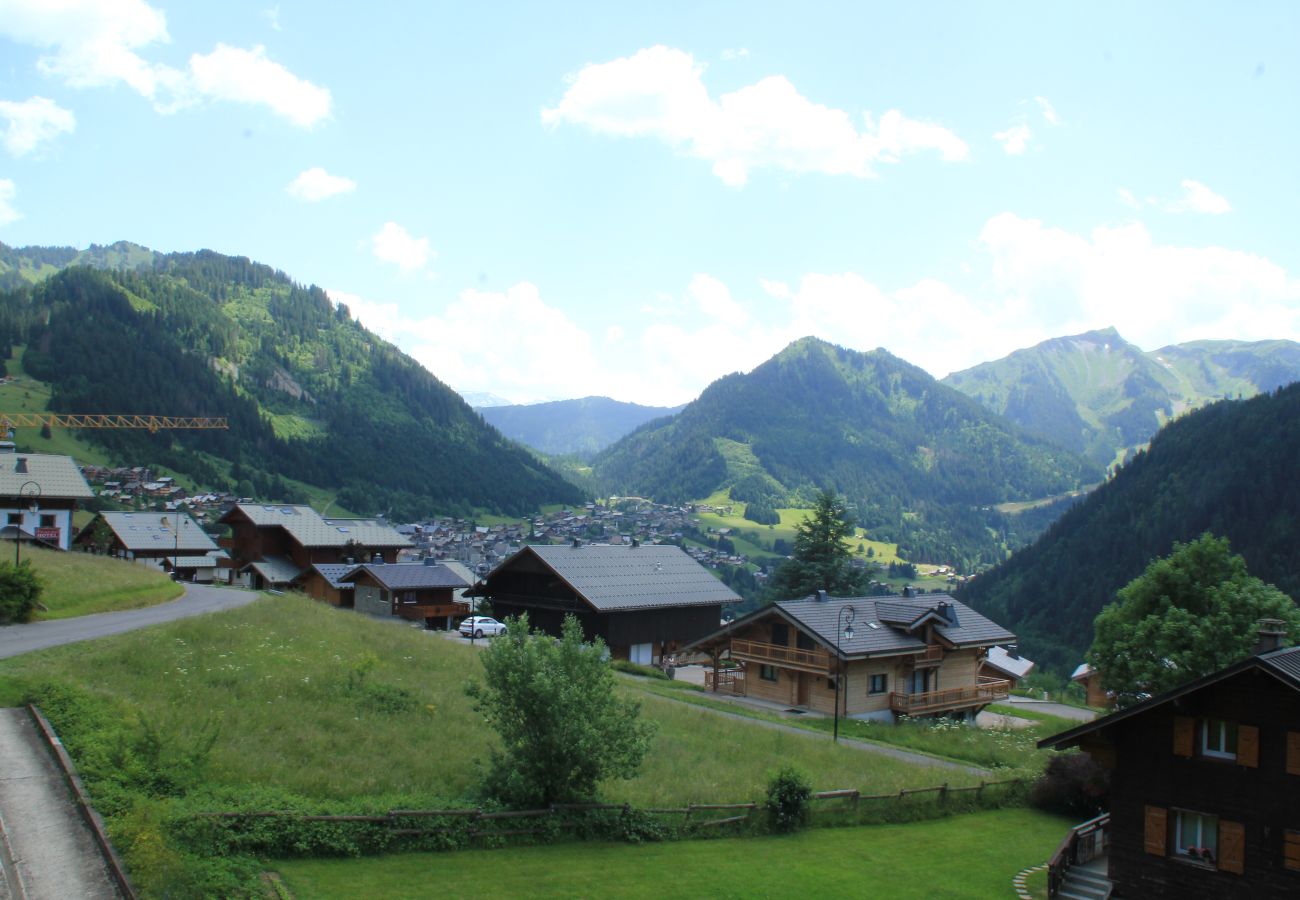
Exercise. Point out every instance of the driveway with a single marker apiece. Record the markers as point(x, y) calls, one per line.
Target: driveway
point(197, 600)
point(1053, 709)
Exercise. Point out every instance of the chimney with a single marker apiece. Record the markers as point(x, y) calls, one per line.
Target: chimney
point(577, 543)
point(430, 561)
point(20, 467)
point(908, 591)
point(377, 560)
point(823, 597)
point(1271, 635)
point(944, 610)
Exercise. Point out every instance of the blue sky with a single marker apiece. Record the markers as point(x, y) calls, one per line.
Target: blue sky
point(555, 200)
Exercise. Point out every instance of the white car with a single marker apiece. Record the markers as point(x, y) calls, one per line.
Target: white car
point(481, 626)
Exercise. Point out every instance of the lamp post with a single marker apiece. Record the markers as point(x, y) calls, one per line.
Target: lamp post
point(175, 529)
point(28, 489)
point(843, 625)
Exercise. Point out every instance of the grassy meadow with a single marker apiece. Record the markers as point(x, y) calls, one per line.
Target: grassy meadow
point(77, 584)
point(968, 856)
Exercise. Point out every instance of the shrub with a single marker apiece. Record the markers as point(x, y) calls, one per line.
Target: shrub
point(1072, 784)
point(623, 665)
point(789, 800)
point(20, 592)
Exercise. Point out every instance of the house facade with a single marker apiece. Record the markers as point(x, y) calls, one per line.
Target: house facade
point(419, 592)
point(894, 656)
point(645, 601)
point(1205, 784)
point(38, 494)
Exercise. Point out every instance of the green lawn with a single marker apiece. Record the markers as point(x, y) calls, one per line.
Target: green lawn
point(77, 584)
point(969, 856)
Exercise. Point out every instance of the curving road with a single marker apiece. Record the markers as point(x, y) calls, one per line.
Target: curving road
point(198, 599)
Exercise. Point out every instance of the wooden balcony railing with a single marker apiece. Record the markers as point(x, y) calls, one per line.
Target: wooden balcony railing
point(725, 681)
point(987, 691)
point(1083, 844)
point(931, 654)
point(774, 654)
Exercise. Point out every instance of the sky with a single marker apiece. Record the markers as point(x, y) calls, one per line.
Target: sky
point(544, 201)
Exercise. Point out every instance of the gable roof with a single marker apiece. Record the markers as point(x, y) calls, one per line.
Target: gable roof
point(620, 578)
point(1283, 664)
point(57, 476)
point(154, 531)
point(333, 574)
point(880, 623)
point(1015, 666)
point(275, 569)
point(310, 529)
point(409, 576)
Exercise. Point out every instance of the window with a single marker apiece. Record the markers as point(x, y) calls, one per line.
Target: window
point(408, 597)
point(1196, 836)
point(1218, 739)
point(780, 634)
point(15, 519)
point(767, 673)
point(47, 520)
point(803, 642)
point(879, 684)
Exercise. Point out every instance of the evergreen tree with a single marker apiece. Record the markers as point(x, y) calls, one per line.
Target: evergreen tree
point(821, 560)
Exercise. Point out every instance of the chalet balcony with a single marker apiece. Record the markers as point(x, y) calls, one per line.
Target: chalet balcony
point(988, 690)
point(930, 656)
point(818, 661)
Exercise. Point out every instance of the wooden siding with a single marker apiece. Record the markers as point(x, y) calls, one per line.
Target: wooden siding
point(1264, 801)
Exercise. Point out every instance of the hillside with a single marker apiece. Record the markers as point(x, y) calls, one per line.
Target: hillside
point(922, 463)
point(1100, 396)
point(581, 427)
point(309, 393)
point(1228, 468)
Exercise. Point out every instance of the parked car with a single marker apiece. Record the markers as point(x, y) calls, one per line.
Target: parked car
point(481, 626)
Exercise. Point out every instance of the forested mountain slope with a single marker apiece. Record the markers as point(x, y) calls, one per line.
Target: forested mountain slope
point(922, 463)
point(1229, 468)
point(309, 393)
point(582, 426)
point(1099, 395)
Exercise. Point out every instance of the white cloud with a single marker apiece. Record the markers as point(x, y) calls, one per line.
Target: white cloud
point(8, 213)
point(272, 16)
point(659, 92)
point(1198, 198)
point(714, 300)
point(33, 122)
point(394, 244)
point(94, 43)
point(247, 76)
point(732, 54)
point(1014, 139)
point(316, 184)
point(1049, 112)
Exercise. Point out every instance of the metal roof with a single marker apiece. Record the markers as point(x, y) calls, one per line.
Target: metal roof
point(275, 569)
point(410, 576)
point(334, 573)
point(57, 476)
point(619, 577)
point(156, 531)
point(1015, 666)
point(1284, 664)
point(310, 529)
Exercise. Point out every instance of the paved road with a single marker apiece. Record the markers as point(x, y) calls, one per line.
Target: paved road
point(198, 599)
point(51, 855)
point(1053, 709)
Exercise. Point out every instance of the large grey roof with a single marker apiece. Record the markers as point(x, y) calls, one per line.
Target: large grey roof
point(58, 476)
point(310, 529)
point(618, 578)
point(154, 531)
point(411, 576)
point(872, 635)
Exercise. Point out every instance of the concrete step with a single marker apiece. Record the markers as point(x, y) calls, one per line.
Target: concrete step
point(1075, 890)
point(1085, 878)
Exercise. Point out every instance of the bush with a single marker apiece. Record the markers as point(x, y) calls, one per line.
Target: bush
point(789, 800)
point(623, 665)
point(20, 592)
point(1072, 784)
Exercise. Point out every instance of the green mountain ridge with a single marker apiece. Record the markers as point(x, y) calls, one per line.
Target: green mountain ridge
point(1228, 468)
point(583, 427)
point(922, 463)
point(1103, 397)
point(308, 392)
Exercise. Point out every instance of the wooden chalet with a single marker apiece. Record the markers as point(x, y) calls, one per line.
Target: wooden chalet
point(324, 581)
point(39, 493)
point(1204, 786)
point(149, 537)
point(273, 546)
point(644, 601)
point(905, 656)
point(1005, 662)
point(419, 591)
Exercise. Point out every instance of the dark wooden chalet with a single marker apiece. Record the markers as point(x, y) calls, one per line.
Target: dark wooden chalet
point(1204, 785)
point(644, 601)
point(420, 592)
point(324, 581)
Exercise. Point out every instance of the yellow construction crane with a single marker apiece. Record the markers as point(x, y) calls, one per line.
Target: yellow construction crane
point(10, 421)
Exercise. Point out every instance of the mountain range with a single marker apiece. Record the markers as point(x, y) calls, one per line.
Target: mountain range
point(582, 427)
point(1102, 397)
point(311, 396)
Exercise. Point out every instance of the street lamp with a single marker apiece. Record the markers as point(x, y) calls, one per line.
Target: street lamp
point(28, 489)
point(844, 625)
point(176, 541)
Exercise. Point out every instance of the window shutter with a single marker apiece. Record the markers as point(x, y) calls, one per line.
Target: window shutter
point(1291, 850)
point(1157, 830)
point(1248, 746)
point(1232, 847)
point(1293, 752)
point(1184, 735)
